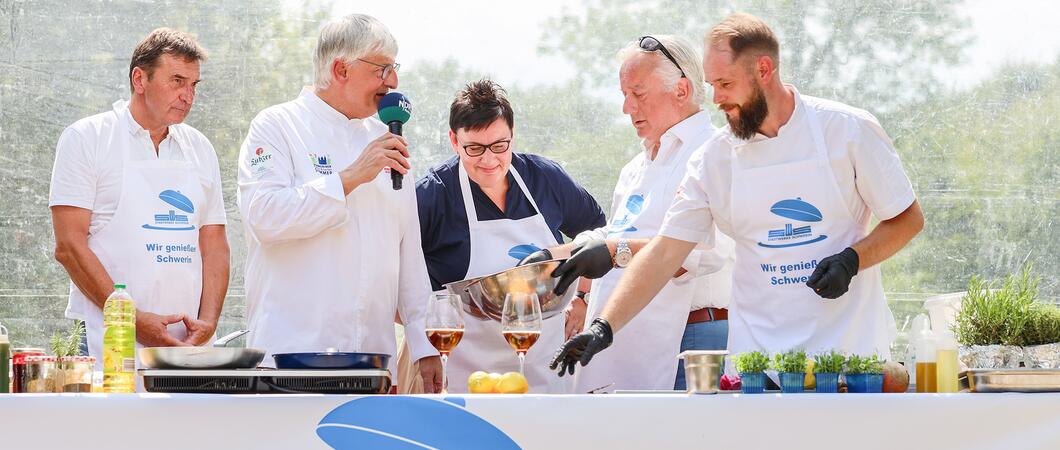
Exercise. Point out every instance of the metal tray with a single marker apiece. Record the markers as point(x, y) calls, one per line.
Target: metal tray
point(1013, 380)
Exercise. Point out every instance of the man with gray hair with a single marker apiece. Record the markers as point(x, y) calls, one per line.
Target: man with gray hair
point(333, 250)
point(662, 83)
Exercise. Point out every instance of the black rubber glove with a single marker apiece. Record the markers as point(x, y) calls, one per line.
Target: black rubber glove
point(582, 347)
point(831, 278)
point(591, 260)
point(538, 256)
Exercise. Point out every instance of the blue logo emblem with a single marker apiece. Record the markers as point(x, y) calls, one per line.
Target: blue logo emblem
point(171, 221)
point(522, 251)
point(634, 206)
point(405, 423)
point(791, 236)
point(322, 164)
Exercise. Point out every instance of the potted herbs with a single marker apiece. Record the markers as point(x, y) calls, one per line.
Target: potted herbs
point(864, 374)
point(752, 369)
point(1003, 325)
point(826, 368)
point(791, 365)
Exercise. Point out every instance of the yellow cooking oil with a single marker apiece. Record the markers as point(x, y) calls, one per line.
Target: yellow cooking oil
point(119, 342)
point(946, 371)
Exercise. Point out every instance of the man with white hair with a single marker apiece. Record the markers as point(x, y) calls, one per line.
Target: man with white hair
point(795, 181)
point(333, 250)
point(662, 83)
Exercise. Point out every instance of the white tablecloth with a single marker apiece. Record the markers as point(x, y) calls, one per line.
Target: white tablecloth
point(660, 421)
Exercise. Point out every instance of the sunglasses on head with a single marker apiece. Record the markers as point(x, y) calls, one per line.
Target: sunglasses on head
point(650, 44)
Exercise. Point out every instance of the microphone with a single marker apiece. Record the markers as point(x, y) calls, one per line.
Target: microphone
point(394, 110)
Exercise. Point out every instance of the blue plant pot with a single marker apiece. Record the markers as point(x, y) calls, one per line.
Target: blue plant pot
point(792, 382)
point(827, 383)
point(752, 383)
point(865, 382)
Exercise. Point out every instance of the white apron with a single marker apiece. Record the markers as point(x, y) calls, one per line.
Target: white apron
point(152, 244)
point(785, 219)
point(483, 347)
point(644, 354)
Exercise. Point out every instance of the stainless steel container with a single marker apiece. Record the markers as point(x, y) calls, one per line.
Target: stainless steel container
point(703, 369)
point(489, 291)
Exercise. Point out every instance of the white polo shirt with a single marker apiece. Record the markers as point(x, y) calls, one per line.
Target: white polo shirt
point(88, 164)
point(863, 158)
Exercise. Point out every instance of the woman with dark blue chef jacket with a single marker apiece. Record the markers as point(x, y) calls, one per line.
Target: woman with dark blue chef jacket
point(484, 210)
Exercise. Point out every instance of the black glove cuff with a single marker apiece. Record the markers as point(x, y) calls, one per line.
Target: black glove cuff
point(604, 328)
point(852, 260)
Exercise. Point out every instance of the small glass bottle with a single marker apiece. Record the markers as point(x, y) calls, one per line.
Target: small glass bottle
point(925, 363)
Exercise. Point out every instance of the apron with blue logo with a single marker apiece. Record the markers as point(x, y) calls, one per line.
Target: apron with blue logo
point(785, 219)
point(494, 247)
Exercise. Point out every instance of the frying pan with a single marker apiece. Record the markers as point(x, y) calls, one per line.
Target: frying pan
point(216, 357)
point(331, 359)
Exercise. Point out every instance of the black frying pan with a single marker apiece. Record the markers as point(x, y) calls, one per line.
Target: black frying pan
point(331, 360)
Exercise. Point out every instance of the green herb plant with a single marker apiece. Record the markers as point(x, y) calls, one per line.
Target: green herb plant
point(861, 364)
point(831, 362)
point(791, 361)
point(1007, 314)
point(69, 345)
point(752, 362)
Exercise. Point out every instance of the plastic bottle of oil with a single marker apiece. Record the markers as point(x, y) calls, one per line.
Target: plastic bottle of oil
point(946, 351)
point(119, 342)
point(5, 361)
point(926, 377)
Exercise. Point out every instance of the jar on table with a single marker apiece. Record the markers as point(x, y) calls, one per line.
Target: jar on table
point(18, 366)
point(41, 374)
point(76, 373)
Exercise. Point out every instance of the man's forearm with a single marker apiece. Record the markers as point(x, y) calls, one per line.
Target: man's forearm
point(889, 237)
point(87, 273)
point(649, 271)
point(215, 271)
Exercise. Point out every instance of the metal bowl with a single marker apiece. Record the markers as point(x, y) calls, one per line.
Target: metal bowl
point(200, 357)
point(488, 292)
point(467, 303)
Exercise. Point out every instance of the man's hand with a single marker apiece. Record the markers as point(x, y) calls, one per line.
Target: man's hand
point(574, 317)
point(389, 150)
point(151, 329)
point(582, 347)
point(199, 331)
point(431, 373)
point(538, 256)
point(831, 278)
point(590, 260)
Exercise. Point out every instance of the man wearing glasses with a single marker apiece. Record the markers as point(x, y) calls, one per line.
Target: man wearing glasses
point(333, 250)
point(485, 209)
point(662, 83)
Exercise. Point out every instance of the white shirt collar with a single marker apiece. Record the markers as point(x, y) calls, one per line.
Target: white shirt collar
point(121, 108)
point(681, 132)
point(324, 110)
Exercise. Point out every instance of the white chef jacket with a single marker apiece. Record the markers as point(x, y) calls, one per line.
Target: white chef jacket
point(88, 171)
point(326, 269)
point(867, 168)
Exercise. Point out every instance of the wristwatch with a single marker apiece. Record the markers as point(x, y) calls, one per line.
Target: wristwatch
point(582, 295)
point(623, 255)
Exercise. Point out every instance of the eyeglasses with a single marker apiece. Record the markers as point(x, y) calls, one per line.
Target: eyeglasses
point(650, 44)
point(387, 68)
point(496, 148)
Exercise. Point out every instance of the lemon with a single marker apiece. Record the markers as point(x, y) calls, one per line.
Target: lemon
point(513, 383)
point(481, 383)
point(495, 379)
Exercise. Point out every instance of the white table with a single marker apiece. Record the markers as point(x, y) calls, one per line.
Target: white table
point(646, 421)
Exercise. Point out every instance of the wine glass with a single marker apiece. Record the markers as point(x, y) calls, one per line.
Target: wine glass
point(521, 322)
point(445, 327)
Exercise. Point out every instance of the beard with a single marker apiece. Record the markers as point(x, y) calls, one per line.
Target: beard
point(751, 115)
